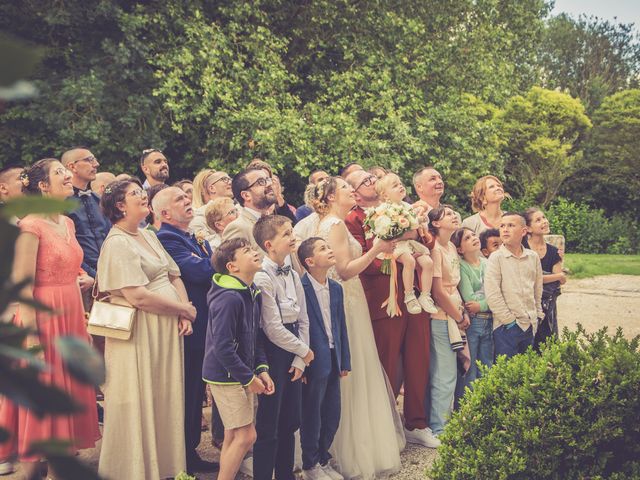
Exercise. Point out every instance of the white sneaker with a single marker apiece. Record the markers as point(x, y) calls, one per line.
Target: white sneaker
point(315, 473)
point(246, 466)
point(427, 303)
point(6, 468)
point(422, 436)
point(330, 472)
point(411, 302)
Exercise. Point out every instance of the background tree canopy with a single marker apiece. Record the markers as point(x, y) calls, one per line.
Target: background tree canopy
point(308, 85)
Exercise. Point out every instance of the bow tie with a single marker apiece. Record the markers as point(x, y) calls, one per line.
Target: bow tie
point(84, 193)
point(283, 270)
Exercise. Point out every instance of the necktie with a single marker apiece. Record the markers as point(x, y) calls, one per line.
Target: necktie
point(283, 270)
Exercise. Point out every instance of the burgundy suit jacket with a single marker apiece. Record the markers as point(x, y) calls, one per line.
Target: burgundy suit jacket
point(374, 282)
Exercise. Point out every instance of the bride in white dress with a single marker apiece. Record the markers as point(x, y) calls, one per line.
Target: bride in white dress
point(370, 436)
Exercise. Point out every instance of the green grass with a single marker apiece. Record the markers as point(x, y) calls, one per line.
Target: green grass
point(584, 265)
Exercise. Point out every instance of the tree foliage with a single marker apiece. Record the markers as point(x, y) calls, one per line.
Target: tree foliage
point(609, 177)
point(542, 132)
point(301, 84)
point(589, 57)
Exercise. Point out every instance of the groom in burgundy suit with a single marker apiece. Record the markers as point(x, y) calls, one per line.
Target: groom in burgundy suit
point(403, 341)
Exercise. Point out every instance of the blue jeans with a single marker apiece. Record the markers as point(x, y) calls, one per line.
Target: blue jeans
point(512, 341)
point(443, 373)
point(480, 340)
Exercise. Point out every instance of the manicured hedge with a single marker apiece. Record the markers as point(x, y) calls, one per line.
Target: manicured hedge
point(571, 412)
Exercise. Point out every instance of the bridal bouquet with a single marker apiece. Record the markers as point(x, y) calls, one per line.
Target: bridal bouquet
point(388, 221)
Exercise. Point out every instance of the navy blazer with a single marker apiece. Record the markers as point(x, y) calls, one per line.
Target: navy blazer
point(319, 340)
point(194, 261)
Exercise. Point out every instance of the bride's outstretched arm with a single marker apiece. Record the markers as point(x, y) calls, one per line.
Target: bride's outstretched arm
point(346, 266)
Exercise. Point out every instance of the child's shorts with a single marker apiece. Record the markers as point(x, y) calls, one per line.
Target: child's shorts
point(410, 247)
point(235, 404)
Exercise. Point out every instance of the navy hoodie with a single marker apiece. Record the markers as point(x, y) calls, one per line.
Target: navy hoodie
point(234, 349)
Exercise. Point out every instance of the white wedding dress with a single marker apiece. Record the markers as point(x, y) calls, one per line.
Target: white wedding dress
point(370, 436)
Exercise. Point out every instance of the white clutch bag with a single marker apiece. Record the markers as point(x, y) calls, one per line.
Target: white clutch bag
point(113, 319)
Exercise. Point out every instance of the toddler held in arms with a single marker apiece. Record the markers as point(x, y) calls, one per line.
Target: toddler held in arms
point(409, 252)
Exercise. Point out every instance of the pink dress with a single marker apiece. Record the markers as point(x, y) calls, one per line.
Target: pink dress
point(56, 285)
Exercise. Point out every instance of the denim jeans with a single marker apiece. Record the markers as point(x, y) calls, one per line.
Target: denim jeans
point(480, 340)
point(443, 373)
point(512, 341)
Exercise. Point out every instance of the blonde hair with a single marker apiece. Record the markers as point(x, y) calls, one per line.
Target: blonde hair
point(216, 211)
point(385, 182)
point(479, 190)
point(200, 187)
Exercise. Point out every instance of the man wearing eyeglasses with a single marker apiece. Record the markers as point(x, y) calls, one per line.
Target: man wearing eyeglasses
point(91, 225)
point(253, 189)
point(155, 167)
point(402, 342)
point(219, 185)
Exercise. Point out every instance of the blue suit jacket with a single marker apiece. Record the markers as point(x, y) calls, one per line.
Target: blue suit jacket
point(194, 262)
point(321, 364)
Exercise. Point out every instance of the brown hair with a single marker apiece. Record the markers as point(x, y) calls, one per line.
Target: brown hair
point(259, 164)
point(266, 228)
point(36, 173)
point(456, 238)
point(114, 194)
point(435, 215)
point(479, 191)
point(320, 194)
point(306, 248)
point(226, 253)
point(528, 214)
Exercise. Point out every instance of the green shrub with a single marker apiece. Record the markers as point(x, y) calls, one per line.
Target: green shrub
point(569, 413)
point(586, 229)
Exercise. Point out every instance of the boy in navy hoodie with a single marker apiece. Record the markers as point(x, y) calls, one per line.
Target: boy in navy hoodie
point(235, 364)
point(330, 343)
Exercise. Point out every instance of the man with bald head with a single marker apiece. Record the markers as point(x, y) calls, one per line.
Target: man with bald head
point(155, 167)
point(403, 341)
point(91, 225)
point(100, 183)
point(173, 207)
point(429, 186)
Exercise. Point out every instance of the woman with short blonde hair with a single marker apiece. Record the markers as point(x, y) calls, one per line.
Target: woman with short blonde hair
point(219, 213)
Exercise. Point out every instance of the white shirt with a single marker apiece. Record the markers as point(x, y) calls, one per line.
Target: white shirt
point(283, 302)
point(513, 288)
point(253, 212)
point(322, 294)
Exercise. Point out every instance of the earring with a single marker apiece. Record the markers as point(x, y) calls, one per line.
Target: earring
point(124, 213)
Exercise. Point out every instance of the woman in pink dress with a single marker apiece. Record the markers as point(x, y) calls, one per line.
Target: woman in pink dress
point(47, 250)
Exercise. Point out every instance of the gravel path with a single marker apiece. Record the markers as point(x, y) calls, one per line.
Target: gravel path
point(612, 300)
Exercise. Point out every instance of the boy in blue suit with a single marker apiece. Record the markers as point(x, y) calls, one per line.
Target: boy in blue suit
point(330, 344)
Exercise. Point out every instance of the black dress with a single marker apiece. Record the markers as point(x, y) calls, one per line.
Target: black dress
point(550, 292)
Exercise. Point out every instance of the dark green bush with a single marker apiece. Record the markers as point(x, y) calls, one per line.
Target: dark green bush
point(586, 229)
point(569, 413)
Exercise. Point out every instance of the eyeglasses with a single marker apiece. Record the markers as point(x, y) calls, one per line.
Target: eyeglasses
point(223, 179)
point(61, 171)
point(262, 181)
point(89, 159)
point(367, 182)
point(138, 192)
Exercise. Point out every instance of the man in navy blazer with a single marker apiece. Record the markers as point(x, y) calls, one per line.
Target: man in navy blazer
point(329, 341)
point(194, 260)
